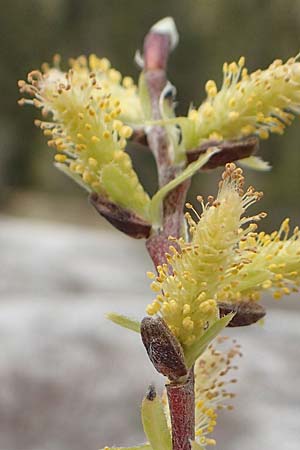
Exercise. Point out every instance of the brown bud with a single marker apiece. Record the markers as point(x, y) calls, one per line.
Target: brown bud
point(230, 151)
point(246, 313)
point(121, 218)
point(163, 349)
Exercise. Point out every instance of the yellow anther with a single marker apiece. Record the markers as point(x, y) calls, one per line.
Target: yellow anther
point(127, 82)
point(106, 134)
point(247, 129)
point(87, 177)
point(79, 168)
point(278, 277)
point(201, 296)
point(285, 225)
point(233, 68)
point(117, 125)
point(208, 306)
point(245, 73)
point(241, 62)
point(190, 340)
point(166, 308)
point(211, 88)
point(186, 309)
point(263, 134)
point(151, 275)
point(188, 324)
point(277, 295)
point(92, 162)
point(114, 75)
point(155, 287)
point(105, 64)
point(95, 139)
point(60, 158)
point(125, 132)
point(150, 310)
point(267, 284)
point(173, 306)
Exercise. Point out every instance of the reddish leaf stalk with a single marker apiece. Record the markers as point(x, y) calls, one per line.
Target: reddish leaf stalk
point(181, 396)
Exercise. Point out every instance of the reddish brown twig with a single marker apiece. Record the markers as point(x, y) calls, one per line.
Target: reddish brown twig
point(156, 51)
point(182, 410)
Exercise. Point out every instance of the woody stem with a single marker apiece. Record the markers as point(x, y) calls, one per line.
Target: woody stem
point(181, 396)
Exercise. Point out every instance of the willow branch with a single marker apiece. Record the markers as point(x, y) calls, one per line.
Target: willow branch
point(157, 47)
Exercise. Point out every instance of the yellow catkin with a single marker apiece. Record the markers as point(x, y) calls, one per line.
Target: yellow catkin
point(91, 109)
point(224, 258)
point(260, 103)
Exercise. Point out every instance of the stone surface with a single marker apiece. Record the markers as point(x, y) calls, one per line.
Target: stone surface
point(71, 380)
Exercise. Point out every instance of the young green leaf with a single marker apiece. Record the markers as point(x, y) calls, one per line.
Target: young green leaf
point(155, 422)
point(125, 322)
point(256, 163)
point(192, 352)
point(157, 199)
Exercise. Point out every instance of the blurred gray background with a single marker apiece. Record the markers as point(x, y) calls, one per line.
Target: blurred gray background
point(68, 378)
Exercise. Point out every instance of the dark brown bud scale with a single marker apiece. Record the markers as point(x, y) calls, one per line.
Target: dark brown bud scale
point(230, 151)
point(121, 218)
point(163, 349)
point(246, 312)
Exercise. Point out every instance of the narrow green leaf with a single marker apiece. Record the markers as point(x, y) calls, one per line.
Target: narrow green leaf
point(192, 352)
point(255, 163)
point(137, 447)
point(155, 422)
point(125, 322)
point(157, 199)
